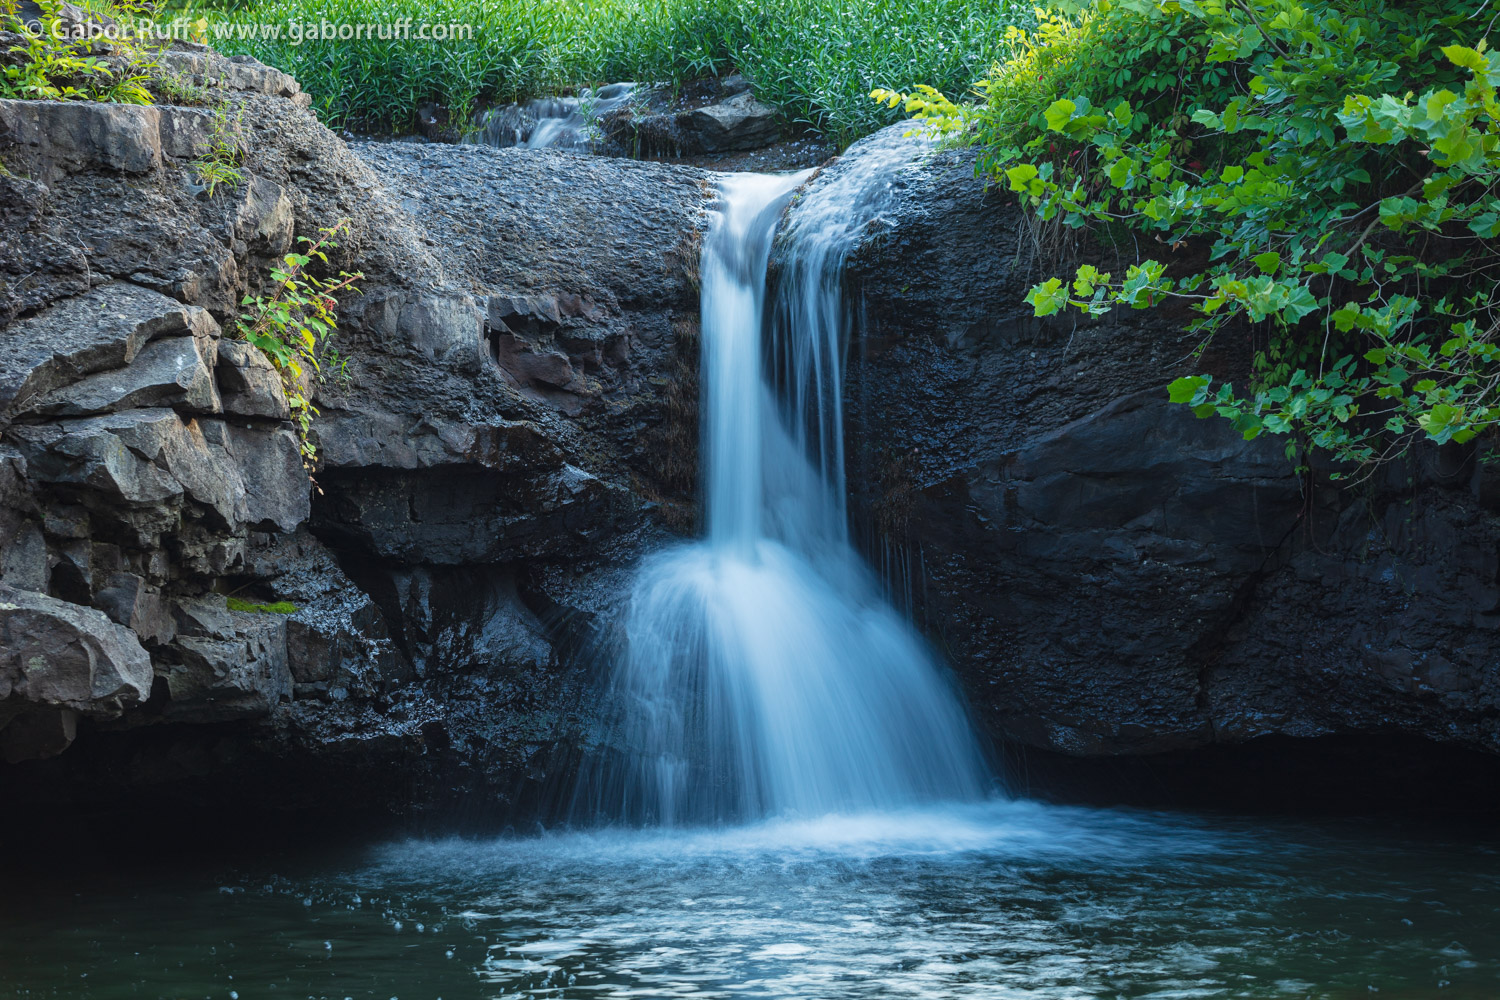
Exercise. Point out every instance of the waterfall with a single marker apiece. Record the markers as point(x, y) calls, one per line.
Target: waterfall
point(763, 672)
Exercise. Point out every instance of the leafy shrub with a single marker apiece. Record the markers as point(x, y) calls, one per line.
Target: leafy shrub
point(293, 325)
point(1337, 160)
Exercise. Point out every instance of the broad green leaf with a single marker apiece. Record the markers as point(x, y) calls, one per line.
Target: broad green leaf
point(1048, 298)
point(1269, 262)
point(1060, 114)
point(1465, 58)
point(1183, 390)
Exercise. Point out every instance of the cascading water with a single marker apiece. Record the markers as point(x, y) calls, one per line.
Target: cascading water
point(763, 672)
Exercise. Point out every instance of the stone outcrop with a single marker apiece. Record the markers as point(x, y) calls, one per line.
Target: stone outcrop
point(736, 123)
point(724, 117)
point(1110, 575)
point(180, 600)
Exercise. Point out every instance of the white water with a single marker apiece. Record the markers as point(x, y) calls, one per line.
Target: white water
point(764, 674)
point(553, 122)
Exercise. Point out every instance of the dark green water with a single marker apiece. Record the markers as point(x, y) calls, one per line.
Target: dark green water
point(1005, 900)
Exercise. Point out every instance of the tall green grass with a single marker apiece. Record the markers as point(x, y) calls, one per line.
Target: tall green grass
point(817, 59)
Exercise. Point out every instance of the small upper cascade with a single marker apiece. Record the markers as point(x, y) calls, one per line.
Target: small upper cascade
point(553, 122)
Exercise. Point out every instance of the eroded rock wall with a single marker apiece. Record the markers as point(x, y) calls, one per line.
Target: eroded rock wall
point(499, 436)
point(1111, 575)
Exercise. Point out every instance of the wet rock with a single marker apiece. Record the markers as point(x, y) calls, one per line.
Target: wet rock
point(461, 619)
point(738, 123)
point(344, 651)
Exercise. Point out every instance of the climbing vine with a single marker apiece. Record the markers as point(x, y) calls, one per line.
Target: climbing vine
point(1337, 161)
point(294, 324)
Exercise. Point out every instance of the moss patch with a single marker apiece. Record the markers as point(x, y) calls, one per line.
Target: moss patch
point(278, 608)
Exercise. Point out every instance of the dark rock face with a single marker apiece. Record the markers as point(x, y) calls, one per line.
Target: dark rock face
point(500, 439)
point(1110, 575)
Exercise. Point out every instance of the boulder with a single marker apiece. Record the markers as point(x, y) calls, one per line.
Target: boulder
point(37, 733)
point(50, 139)
point(56, 655)
point(1109, 574)
point(249, 385)
point(224, 664)
point(737, 123)
point(265, 219)
point(204, 67)
point(129, 600)
point(175, 372)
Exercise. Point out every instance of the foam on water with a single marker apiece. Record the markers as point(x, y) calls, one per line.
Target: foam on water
point(994, 829)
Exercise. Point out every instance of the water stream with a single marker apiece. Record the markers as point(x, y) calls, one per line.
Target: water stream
point(763, 672)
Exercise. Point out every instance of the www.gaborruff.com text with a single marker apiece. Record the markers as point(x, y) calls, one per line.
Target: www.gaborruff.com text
point(292, 32)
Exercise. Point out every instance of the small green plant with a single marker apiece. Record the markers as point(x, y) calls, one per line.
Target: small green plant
point(220, 163)
point(175, 88)
point(274, 608)
point(48, 68)
point(293, 325)
point(123, 88)
point(53, 65)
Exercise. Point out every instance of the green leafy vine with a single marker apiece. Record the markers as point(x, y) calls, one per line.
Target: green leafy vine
point(292, 326)
point(1339, 162)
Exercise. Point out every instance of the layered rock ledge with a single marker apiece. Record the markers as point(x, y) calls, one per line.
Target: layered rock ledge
point(513, 420)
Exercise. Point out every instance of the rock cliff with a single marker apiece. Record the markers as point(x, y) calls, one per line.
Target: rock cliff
point(516, 418)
